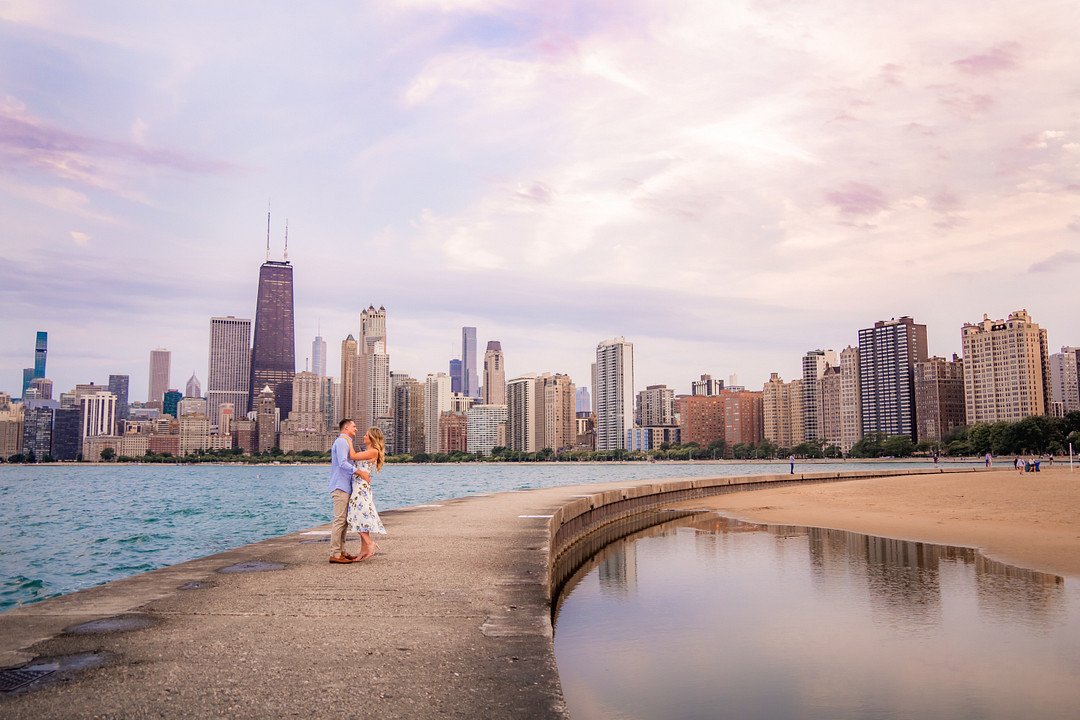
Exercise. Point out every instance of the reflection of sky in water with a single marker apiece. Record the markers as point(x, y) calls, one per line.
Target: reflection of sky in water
point(720, 619)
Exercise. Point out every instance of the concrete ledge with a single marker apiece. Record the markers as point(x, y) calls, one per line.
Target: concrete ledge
point(452, 618)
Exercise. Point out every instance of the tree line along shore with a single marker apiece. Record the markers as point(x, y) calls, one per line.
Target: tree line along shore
point(1037, 435)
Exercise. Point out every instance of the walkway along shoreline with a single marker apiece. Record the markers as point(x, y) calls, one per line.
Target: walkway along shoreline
point(451, 619)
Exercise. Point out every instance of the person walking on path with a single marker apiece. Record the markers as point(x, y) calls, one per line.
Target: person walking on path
point(363, 517)
point(791, 459)
point(989, 460)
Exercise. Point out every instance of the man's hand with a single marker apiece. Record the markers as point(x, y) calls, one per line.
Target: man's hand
point(363, 475)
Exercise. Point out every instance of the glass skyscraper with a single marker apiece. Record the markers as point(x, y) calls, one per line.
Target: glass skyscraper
point(273, 353)
point(41, 349)
point(118, 386)
point(470, 378)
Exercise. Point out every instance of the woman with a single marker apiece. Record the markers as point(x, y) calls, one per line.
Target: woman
point(363, 518)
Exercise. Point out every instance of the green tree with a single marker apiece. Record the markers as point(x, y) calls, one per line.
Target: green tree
point(108, 454)
point(898, 446)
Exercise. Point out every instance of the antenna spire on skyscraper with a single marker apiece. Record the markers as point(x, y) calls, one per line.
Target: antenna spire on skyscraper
point(286, 239)
point(267, 231)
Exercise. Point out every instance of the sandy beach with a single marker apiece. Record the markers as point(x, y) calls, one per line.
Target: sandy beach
point(1031, 520)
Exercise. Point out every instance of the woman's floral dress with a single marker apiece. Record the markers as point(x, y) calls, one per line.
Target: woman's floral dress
point(363, 517)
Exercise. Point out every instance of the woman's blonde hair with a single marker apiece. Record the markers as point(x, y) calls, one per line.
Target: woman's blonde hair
point(378, 443)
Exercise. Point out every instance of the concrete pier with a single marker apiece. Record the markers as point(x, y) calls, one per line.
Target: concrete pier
point(451, 619)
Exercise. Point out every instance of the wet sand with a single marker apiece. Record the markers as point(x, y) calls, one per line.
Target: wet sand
point(1031, 520)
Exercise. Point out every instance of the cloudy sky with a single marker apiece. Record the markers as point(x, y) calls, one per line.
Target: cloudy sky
point(727, 185)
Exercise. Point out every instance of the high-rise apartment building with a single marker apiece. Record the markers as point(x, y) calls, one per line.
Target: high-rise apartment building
point(11, 432)
point(43, 386)
point(273, 351)
point(814, 363)
point(160, 371)
point(470, 380)
point(850, 399)
point(437, 400)
point(408, 415)
point(744, 417)
point(524, 414)
point(118, 386)
point(38, 428)
point(1006, 369)
point(373, 328)
point(782, 411)
point(701, 419)
point(656, 406)
point(486, 428)
point(308, 413)
point(228, 375)
point(939, 397)
point(318, 356)
point(829, 408)
point(170, 405)
point(614, 393)
point(559, 415)
point(67, 435)
point(888, 352)
point(453, 432)
point(494, 374)
point(194, 433)
point(1065, 381)
point(706, 386)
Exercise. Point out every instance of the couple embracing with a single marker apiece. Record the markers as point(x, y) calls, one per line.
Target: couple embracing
point(350, 488)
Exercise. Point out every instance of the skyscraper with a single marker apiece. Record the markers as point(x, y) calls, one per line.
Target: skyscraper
point(560, 427)
point(887, 356)
point(350, 380)
point(850, 399)
point(706, 386)
point(455, 375)
point(494, 374)
point(470, 380)
point(408, 415)
point(160, 372)
point(229, 370)
point(524, 420)
point(939, 397)
point(373, 387)
point(656, 406)
point(1065, 381)
point(814, 363)
point(782, 411)
point(318, 356)
point(98, 413)
point(437, 399)
point(193, 389)
point(614, 393)
point(41, 349)
point(273, 353)
point(118, 386)
point(584, 400)
point(1006, 369)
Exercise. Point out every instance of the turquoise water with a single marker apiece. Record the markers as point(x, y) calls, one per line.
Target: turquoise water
point(708, 618)
point(67, 528)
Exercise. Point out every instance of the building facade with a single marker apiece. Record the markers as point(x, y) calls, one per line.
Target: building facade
point(470, 378)
point(1006, 369)
point(486, 428)
point(273, 349)
point(437, 400)
point(939, 398)
point(782, 414)
point(656, 406)
point(524, 420)
point(888, 352)
point(850, 399)
point(614, 393)
point(1064, 384)
point(814, 364)
point(559, 412)
point(706, 386)
point(228, 377)
point(118, 386)
point(160, 373)
point(494, 374)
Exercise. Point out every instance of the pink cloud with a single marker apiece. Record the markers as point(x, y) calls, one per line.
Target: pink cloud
point(858, 199)
point(998, 58)
point(30, 141)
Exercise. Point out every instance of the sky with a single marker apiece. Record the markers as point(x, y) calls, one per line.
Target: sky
point(726, 185)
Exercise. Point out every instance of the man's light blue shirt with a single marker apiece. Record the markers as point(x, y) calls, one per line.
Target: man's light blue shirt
point(341, 468)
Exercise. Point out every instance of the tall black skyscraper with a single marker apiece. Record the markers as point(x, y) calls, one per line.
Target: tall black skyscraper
point(273, 352)
point(455, 375)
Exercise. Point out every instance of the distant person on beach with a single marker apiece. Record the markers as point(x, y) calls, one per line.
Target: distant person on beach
point(791, 459)
point(363, 517)
point(989, 460)
point(342, 472)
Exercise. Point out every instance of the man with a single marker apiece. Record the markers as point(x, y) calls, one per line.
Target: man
point(791, 459)
point(342, 472)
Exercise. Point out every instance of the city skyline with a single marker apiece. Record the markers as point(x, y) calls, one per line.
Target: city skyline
point(730, 188)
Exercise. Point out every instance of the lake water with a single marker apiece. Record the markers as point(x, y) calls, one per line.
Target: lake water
point(63, 528)
point(706, 617)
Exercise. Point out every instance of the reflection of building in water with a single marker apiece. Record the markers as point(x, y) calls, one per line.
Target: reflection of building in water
point(1014, 593)
point(618, 571)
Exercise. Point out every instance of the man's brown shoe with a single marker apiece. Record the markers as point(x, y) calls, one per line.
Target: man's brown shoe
point(347, 555)
point(340, 559)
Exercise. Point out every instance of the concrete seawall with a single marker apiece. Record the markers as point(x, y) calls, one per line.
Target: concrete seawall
point(451, 619)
